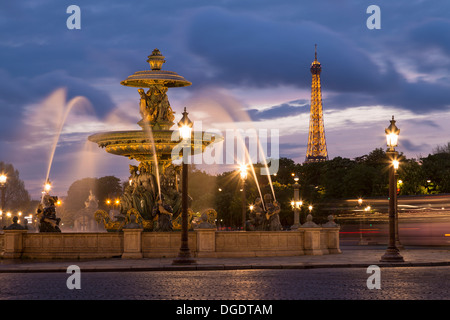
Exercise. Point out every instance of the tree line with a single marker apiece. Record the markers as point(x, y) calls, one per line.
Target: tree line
point(339, 178)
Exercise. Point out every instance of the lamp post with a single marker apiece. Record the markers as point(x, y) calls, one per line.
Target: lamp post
point(184, 255)
point(243, 174)
point(392, 253)
point(296, 204)
point(396, 165)
point(361, 240)
point(3, 187)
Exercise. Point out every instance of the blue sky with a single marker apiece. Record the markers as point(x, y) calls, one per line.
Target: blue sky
point(248, 60)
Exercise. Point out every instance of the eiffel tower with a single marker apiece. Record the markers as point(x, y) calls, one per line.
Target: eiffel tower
point(317, 147)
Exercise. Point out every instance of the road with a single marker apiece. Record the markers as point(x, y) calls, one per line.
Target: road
point(412, 232)
point(410, 283)
point(418, 224)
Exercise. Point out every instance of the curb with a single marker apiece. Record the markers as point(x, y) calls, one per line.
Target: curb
point(228, 267)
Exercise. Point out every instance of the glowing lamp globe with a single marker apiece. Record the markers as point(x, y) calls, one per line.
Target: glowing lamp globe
point(392, 133)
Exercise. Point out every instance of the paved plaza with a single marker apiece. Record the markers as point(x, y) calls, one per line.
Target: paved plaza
point(351, 256)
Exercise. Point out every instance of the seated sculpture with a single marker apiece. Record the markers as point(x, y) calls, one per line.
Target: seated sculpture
point(48, 222)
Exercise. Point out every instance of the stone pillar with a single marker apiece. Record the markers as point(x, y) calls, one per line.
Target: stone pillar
point(332, 240)
point(132, 240)
point(13, 247)
point(311, 241)
point(132, 244)
point(206, 242)
point(332, 230)
point(311, 237)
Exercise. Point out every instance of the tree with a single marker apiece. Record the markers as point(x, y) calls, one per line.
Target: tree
point(436, 172)
point(201, 189)
point(359, 181)
point(333, 177)
point(411, 176)
point(107, 187)
point(17, 197)
point(378, 160)
point(442, 149)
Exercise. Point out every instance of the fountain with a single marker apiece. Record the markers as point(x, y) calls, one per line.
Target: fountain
point(155, 176)
point(151, 200)
point(84, 218)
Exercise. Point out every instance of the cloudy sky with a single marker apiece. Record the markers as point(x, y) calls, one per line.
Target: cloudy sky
point(248, 62)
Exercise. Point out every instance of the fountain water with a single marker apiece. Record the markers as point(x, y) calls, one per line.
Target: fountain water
point(47, 120)
point(149, 131)
point(73, 102)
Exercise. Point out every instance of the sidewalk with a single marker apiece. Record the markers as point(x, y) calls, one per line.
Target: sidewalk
point(351, 257)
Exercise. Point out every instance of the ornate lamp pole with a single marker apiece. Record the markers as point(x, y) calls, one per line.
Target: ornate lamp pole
point(296, 204)
point(392, 253)
point(184, 255)
point(3, 187)
point(361, 240)
point(243, 174)
point(396, 164)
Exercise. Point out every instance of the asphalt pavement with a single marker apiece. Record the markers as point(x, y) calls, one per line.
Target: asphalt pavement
point(351, 257)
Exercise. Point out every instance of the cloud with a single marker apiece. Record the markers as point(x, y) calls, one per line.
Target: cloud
point(291, 108)
point(247, 62)
point(253, 51)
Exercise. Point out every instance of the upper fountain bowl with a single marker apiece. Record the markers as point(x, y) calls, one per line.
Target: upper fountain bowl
point(155, 76)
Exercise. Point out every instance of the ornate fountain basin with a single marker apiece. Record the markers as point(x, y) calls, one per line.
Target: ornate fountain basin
point(137, 144)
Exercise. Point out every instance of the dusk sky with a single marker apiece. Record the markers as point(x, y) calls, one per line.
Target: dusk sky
point(248, 62)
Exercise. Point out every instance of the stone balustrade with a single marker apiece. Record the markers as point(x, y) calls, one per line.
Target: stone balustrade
point(134, 243)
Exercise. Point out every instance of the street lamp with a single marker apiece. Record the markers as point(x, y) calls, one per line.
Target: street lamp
point(185, 129)
point(296, 204)
point(361, 240)
point(243, 174)
point(392, 253)
point(396, 164)
point(3, 187)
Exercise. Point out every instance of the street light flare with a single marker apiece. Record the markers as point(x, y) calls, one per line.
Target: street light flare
point(243, 171)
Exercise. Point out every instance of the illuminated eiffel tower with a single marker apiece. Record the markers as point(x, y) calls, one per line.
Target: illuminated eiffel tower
point(317, 147)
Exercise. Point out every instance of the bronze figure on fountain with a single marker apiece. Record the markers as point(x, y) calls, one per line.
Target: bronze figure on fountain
point(46, 213)
point(264, 216)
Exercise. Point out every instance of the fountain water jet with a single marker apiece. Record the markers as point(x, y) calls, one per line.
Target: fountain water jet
point(41, 124)
point(69, 107)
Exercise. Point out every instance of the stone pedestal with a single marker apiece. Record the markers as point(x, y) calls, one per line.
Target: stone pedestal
point(206, 242)
point(132, 244)
point(331, 230)
point(311, 240)
point(13, 247)
point(332, 239)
